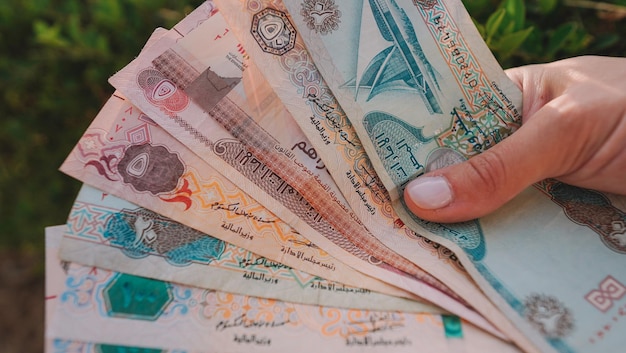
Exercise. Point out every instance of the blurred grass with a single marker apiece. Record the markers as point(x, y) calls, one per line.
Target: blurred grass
point(58, 55)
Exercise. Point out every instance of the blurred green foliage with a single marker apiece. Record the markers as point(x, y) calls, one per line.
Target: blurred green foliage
point(58, 54)
point(522, 32)
point(56, 58)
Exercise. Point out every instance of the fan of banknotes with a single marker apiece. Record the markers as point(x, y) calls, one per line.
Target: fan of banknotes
point(243, 192)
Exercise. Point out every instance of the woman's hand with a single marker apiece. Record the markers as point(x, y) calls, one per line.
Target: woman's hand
point(573, 130)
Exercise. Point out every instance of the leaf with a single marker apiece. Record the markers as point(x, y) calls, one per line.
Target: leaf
point(546, 6)
point(559, 38)
point(73, 27)
point(516, 11)
point(578, 41)
point(49, 35)
point(605, 41)
point(493, 23)
point(109, 13)
point(508, 43)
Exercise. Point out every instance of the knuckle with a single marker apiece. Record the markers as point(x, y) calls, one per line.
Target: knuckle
point(489, 169)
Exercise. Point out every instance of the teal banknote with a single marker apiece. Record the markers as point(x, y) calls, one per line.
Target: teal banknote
point(423, 91)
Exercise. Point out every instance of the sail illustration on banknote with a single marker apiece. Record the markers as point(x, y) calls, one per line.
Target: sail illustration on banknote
point(396, 67)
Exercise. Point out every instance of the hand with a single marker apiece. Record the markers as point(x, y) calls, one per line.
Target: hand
point(573, 130)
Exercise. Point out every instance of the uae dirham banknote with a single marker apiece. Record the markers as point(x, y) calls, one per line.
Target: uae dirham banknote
point(107, 232)
point(260, 165)
point(294, 78)
point(423, 91)
point(95, 310)
point(245, 191)
point(145, 239)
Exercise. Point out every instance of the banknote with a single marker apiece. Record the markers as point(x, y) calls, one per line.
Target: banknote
point(54, 287)
point(126, 154)
point(280, 149)
point(194, 18)
point(54, 281)
point(300, 86)
point(299, 167)
point(75, 346)
point(121, 310)
point(143, 84)
point(107, 232)
point(423, 92)
point(415, 77)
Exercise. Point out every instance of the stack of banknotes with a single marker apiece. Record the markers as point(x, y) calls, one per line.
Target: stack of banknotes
point(243, 192)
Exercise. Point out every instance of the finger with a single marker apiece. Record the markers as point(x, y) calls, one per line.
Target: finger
point(482, 184)
point(528, 80)
point(516, 74)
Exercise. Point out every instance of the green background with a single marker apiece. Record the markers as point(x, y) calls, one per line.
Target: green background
point(56, 59)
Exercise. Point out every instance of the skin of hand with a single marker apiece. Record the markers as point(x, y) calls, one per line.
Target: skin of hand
point(573, 130)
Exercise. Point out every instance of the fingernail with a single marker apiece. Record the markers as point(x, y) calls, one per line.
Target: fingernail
point(430, 192)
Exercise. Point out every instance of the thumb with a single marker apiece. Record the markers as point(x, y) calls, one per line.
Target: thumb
point(485, 182)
